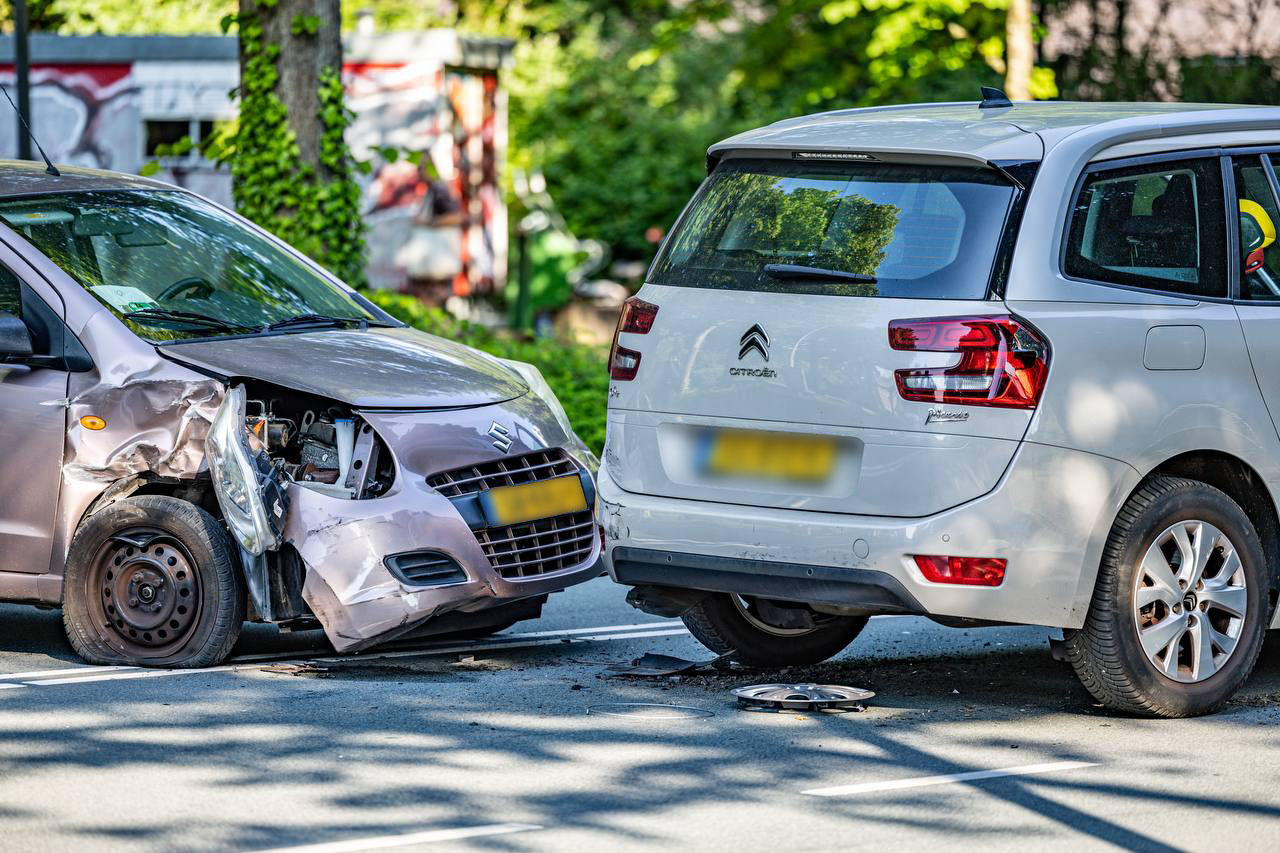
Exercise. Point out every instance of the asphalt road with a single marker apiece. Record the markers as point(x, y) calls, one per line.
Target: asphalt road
point(976, 738)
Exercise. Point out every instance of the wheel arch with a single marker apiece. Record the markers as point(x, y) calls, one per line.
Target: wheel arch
point(1241, 482)
point(195, 490)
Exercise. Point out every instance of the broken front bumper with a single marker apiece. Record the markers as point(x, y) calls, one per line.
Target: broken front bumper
point(350, 547)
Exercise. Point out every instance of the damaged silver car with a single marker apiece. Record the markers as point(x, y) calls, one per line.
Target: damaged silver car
point(202, 427)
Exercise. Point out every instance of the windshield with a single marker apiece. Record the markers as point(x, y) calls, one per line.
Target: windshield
point(851, 229)
point(174, 267)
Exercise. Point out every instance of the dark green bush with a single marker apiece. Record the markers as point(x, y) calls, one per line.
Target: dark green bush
point(576, 373)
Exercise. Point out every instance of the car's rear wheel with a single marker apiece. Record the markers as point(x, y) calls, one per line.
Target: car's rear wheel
point(752, 630)
point(1177, 617)
point(154, 581)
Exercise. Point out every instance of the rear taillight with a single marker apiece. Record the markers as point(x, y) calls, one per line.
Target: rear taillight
point(964, 571)
point(1003, 361)
point(636, 319)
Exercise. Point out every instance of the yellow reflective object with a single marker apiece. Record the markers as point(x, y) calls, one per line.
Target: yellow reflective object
point(93, 422)
point(1268, 228)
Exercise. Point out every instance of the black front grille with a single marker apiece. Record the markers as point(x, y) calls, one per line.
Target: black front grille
point(539, 465)
point(425, 568)
point(539, 547)
point(535, 548)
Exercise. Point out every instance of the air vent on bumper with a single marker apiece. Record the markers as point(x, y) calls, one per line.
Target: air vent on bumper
point(425, 568)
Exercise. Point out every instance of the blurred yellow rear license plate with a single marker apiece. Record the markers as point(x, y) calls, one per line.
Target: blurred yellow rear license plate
point(772, 455)
point(531, 501)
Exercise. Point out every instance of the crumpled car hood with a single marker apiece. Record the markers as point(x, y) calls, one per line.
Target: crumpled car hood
point(373, 369)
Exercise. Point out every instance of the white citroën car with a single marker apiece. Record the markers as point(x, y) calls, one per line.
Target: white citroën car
point(989, 363)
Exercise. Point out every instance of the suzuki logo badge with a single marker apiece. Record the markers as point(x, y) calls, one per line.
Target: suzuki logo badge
point(501, 437)
point(754, 339)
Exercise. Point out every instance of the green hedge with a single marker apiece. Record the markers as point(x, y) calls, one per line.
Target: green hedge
point(576, 373)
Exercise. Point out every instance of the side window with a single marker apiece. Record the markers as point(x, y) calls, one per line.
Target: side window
point(1259, 252)
point(1159, 227)
point(10, 292)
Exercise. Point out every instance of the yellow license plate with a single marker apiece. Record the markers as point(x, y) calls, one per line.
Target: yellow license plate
point(771, 455)
point(531, 501)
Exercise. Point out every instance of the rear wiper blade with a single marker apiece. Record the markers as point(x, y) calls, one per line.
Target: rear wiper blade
point(190, 318)
point(318, 320)
point(798, 271)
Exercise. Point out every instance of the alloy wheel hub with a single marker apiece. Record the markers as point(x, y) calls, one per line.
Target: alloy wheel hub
point(1190, 601)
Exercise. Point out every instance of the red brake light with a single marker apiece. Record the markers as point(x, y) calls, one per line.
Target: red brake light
point(965, 571)
point(636, 319)
point(637, 316)
point(1004, 361)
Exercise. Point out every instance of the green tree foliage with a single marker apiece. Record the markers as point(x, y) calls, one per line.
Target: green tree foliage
point(640, 88)
point(124, 17)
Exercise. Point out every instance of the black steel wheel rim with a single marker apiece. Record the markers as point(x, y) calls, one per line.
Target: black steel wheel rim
point(145, 592)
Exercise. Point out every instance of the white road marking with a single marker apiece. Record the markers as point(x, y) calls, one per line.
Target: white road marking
point(91, 674)
point(17, 676)
point(495, 642)
point(639, 626)
point(141, 673)
point(383, 842)
point(946, 779)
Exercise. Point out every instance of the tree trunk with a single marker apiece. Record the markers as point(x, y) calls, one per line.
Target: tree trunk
point(316, 46)
point(1019, 51)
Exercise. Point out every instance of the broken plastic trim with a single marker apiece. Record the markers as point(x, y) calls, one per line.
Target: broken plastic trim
point(659, 666)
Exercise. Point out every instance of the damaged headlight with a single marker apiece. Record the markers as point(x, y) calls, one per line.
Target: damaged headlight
point(234, 467)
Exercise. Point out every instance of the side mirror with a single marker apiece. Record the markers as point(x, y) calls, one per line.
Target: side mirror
point(15, 338)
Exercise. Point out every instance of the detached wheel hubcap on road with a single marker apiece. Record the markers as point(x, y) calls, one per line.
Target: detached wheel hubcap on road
point(145, 591)
point(1190, 601)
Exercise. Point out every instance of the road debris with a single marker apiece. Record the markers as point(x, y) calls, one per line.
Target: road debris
point(802, 697)
point(661, 666)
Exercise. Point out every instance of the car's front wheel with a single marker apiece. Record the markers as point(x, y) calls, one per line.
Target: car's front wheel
point(153, 581)
point(757, 636)
point(1177, 617)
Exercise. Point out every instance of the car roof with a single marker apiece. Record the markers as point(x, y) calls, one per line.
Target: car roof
point(963, 130)
point(25, 177)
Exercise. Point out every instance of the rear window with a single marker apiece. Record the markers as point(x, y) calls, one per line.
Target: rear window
point(928, 232)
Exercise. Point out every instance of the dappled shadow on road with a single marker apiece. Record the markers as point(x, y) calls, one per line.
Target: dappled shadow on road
point(28, 630)
point(384, 749)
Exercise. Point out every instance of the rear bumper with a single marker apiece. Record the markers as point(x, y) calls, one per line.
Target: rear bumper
point(874, 590)
point(1048, 516)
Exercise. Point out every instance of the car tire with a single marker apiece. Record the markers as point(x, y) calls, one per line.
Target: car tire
point(1117, 654)
point(153, 581)
point(724, 624)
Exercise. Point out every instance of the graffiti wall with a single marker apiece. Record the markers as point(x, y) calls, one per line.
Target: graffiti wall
point(441, 219)
point(436, 222)
point(87, 115)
